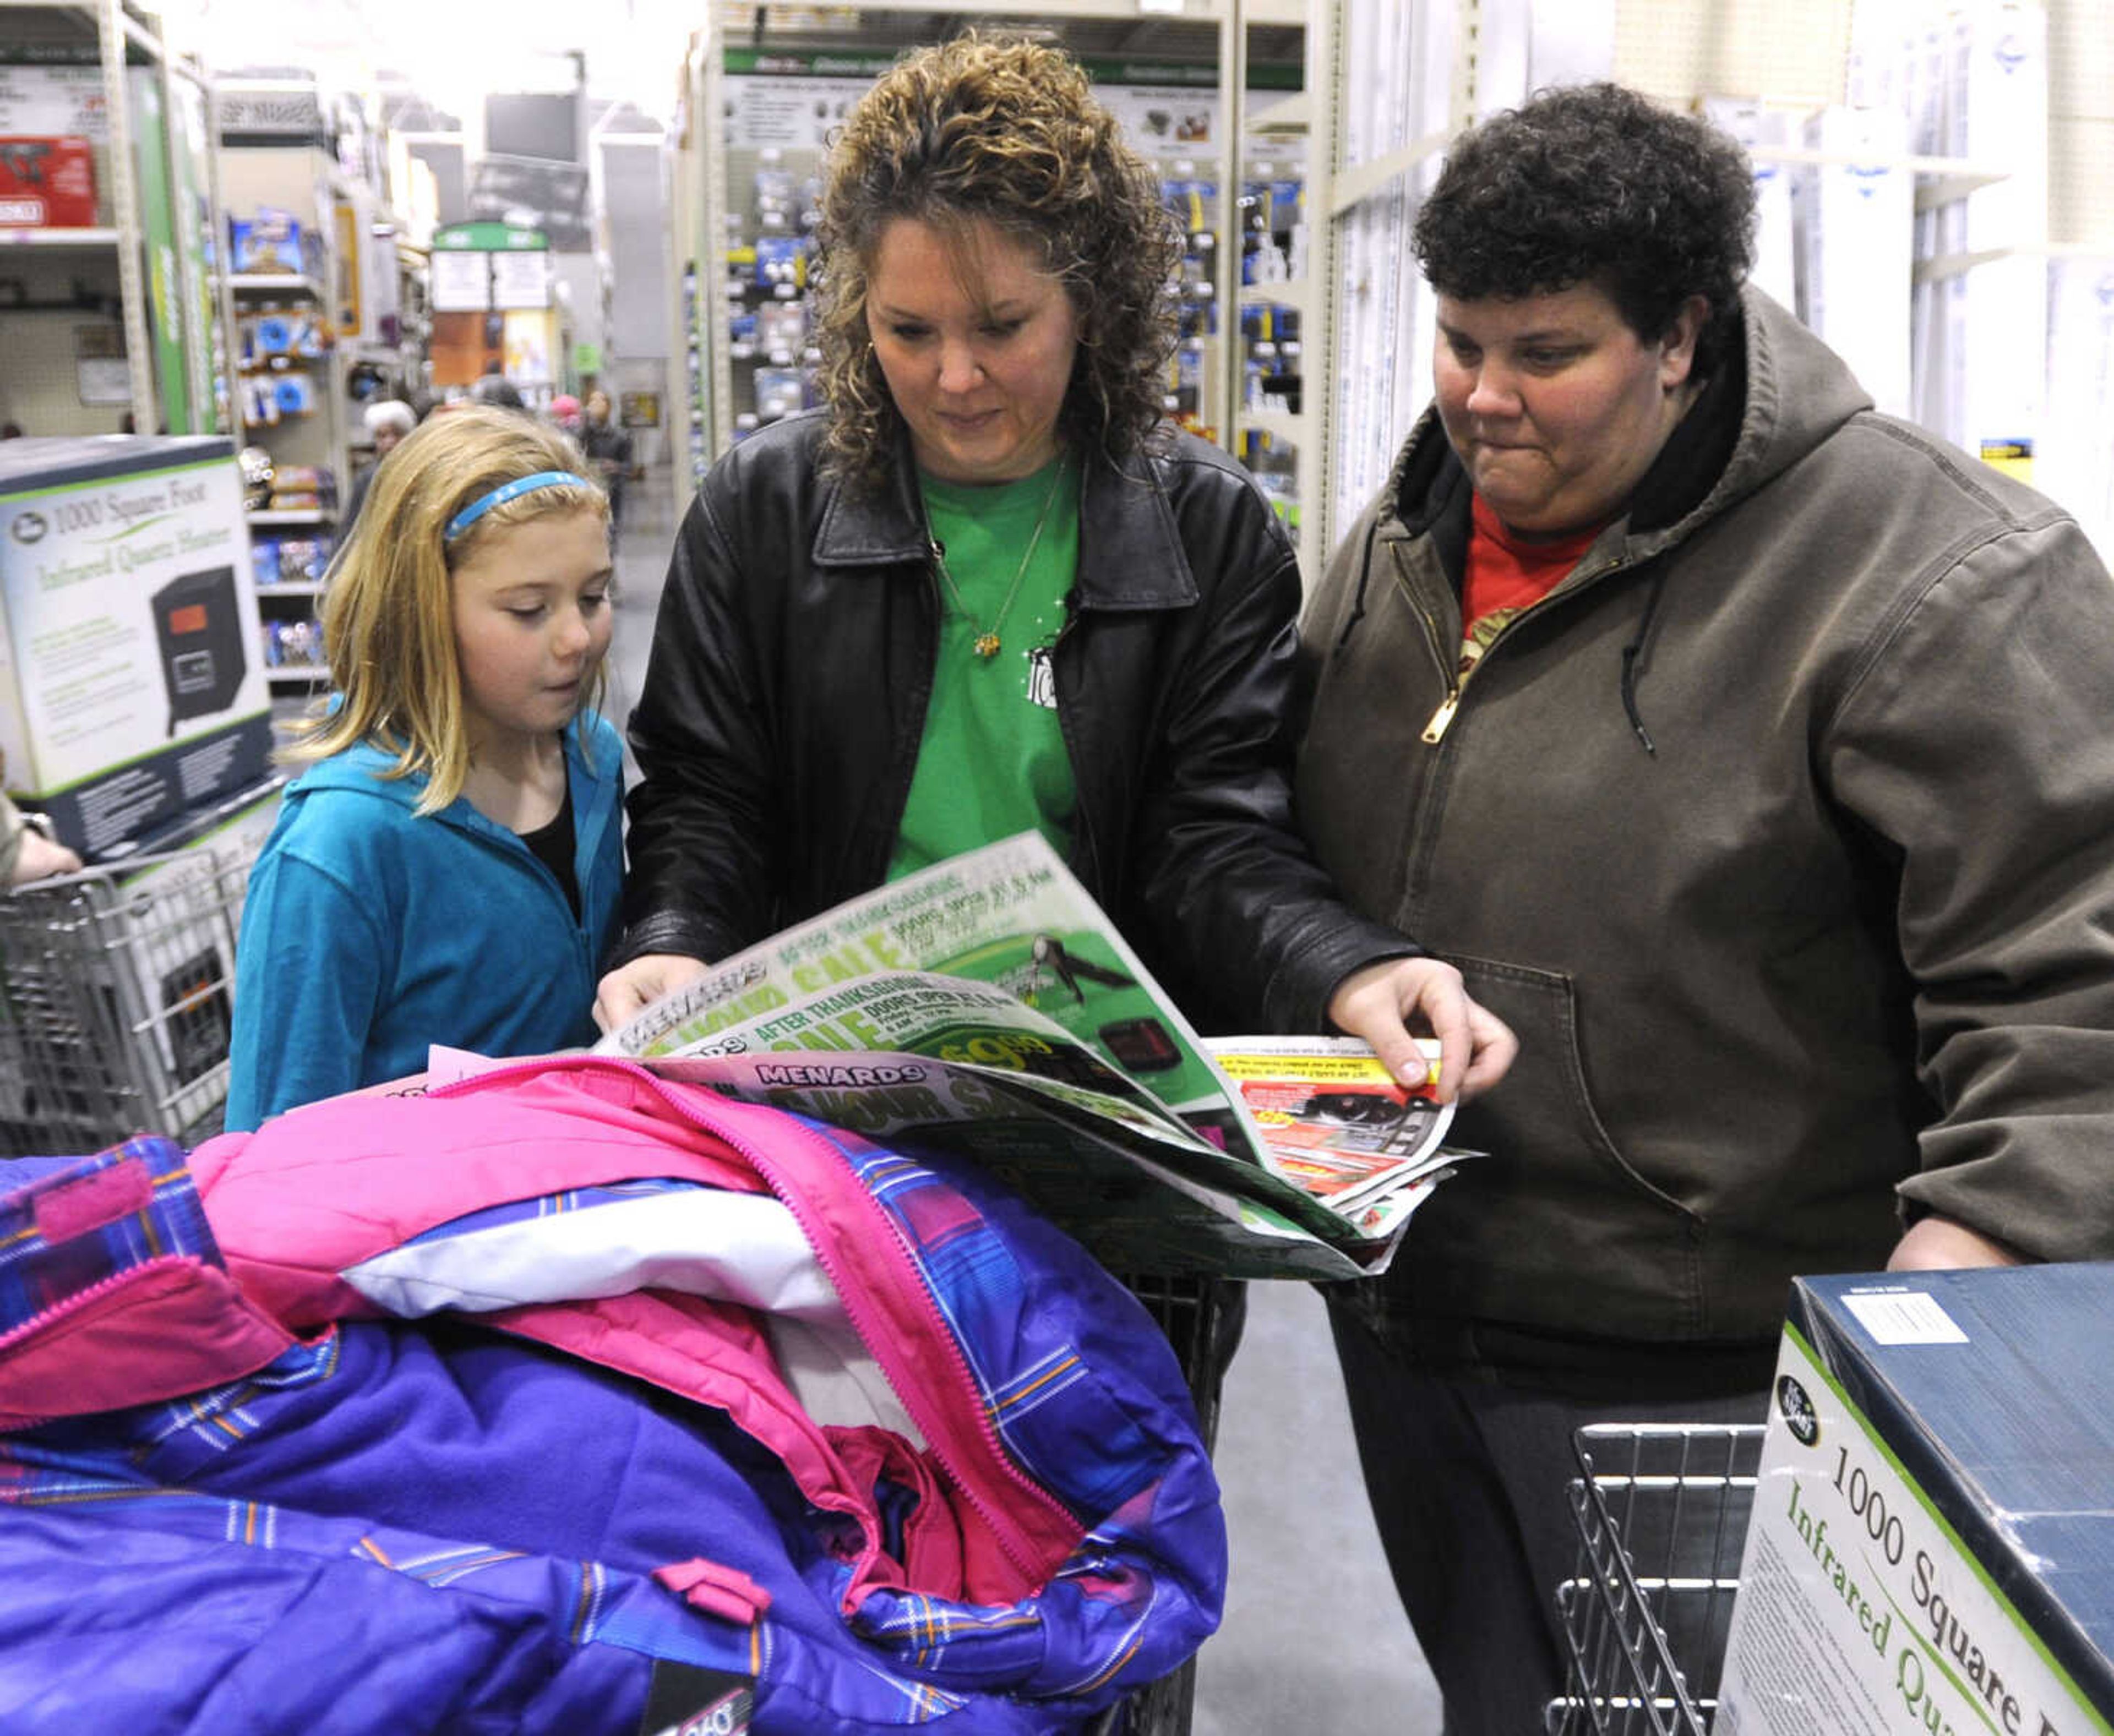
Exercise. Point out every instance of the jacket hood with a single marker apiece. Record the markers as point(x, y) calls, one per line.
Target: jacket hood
point(1799, 393)
point(365, 769)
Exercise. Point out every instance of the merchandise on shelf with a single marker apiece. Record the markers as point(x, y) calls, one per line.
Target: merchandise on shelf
point(779, 391)
point(781, 329)
point(293, 645)
point(275, 335)
point(289, 560)
point(47, 182)
point(781, 264)
point(274, 243)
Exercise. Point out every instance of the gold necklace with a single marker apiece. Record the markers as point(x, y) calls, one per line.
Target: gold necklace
point(986, 644)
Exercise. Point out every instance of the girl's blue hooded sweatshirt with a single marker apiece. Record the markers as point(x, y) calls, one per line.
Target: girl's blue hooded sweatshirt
point(369, 932)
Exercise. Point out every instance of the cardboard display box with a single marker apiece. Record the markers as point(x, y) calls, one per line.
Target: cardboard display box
point(1932, 1548)
point(47, 182)
point(132, 686)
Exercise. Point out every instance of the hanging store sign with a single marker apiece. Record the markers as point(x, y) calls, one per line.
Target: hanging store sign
point(520, 280)
point(459, 283)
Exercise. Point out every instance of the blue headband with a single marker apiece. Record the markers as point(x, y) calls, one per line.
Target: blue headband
point(507, 491)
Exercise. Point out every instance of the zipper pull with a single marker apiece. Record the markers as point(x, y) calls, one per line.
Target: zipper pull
point(1443, 716)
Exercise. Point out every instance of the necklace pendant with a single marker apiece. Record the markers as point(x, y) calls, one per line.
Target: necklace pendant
point(986, 645)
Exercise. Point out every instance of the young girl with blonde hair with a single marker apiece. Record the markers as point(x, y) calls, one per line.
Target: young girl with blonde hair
point(447, 869)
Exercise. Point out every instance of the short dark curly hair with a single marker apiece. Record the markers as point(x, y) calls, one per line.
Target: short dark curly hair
point(1596, 184)
point(1001, 129)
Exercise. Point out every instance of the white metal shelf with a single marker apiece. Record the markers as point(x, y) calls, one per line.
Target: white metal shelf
point(120, 28)
point(291, 516)
point(1357, 183)
point(306, 674)
point(701, 168)
point(291, 588)
point(77, 239)
point(275, 283)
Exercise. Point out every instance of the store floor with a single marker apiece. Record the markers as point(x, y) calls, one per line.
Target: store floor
point(1314, 1639)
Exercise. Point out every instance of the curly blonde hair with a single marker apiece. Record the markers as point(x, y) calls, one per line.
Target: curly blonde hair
point(1002, 131)
point(388, 612)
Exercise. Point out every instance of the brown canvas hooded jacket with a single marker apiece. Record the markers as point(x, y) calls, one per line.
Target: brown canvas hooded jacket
point(1782, 833)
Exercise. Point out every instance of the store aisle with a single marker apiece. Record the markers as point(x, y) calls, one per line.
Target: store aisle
point(1314, 1638)
point(647, 535)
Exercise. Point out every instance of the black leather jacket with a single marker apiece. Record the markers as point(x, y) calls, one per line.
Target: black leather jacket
point(785, 697)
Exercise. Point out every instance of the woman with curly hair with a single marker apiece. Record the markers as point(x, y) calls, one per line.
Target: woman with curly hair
point(988, 589)
point(1752, 752)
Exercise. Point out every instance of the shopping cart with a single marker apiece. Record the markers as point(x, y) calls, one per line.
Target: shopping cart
point(116, 987)
point(1201, 1317)
point(1662, 1514)
point(115, 1009)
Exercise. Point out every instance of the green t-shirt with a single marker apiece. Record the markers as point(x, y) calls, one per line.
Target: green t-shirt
point(992, 761)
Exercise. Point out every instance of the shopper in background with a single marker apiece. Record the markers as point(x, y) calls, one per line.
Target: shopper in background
point(987, 590)
point(607, 444)
point(28, 851)
point(447, 869)
point(387, 421)
point(1753, 752)
point(493, 387)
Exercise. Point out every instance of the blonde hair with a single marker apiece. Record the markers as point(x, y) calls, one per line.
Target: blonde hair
point(388, 612)
point(1004, 130)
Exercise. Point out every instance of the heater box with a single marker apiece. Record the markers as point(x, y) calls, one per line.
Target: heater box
point(1932, 1547)
point(129, 690)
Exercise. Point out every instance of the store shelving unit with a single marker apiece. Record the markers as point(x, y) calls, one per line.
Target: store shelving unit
point(715, 376)
point(153, 260)
point(1367, 341)
point(1286, 440)
point(286, 332)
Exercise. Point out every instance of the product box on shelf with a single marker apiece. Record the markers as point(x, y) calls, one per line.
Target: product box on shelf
point(1932, 1548)
point(274, 243)
point(130, 687)
point(47, 182)
point(1765, 133)
point(290, 560)
point(1854, 220)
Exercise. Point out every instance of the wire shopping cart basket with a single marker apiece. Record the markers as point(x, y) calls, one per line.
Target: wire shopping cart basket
point(117, 989)
point(1661, 1510)
point(1201, 1317)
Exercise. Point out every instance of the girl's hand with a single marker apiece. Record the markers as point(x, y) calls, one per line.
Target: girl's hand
point(630, 988)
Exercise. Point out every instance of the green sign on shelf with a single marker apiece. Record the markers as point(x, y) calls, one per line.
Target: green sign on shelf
point(488, 238)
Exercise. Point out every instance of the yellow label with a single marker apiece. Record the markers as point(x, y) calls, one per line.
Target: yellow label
point(2013, 457)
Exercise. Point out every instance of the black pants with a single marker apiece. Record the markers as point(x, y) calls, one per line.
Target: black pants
point(1466, 1479)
